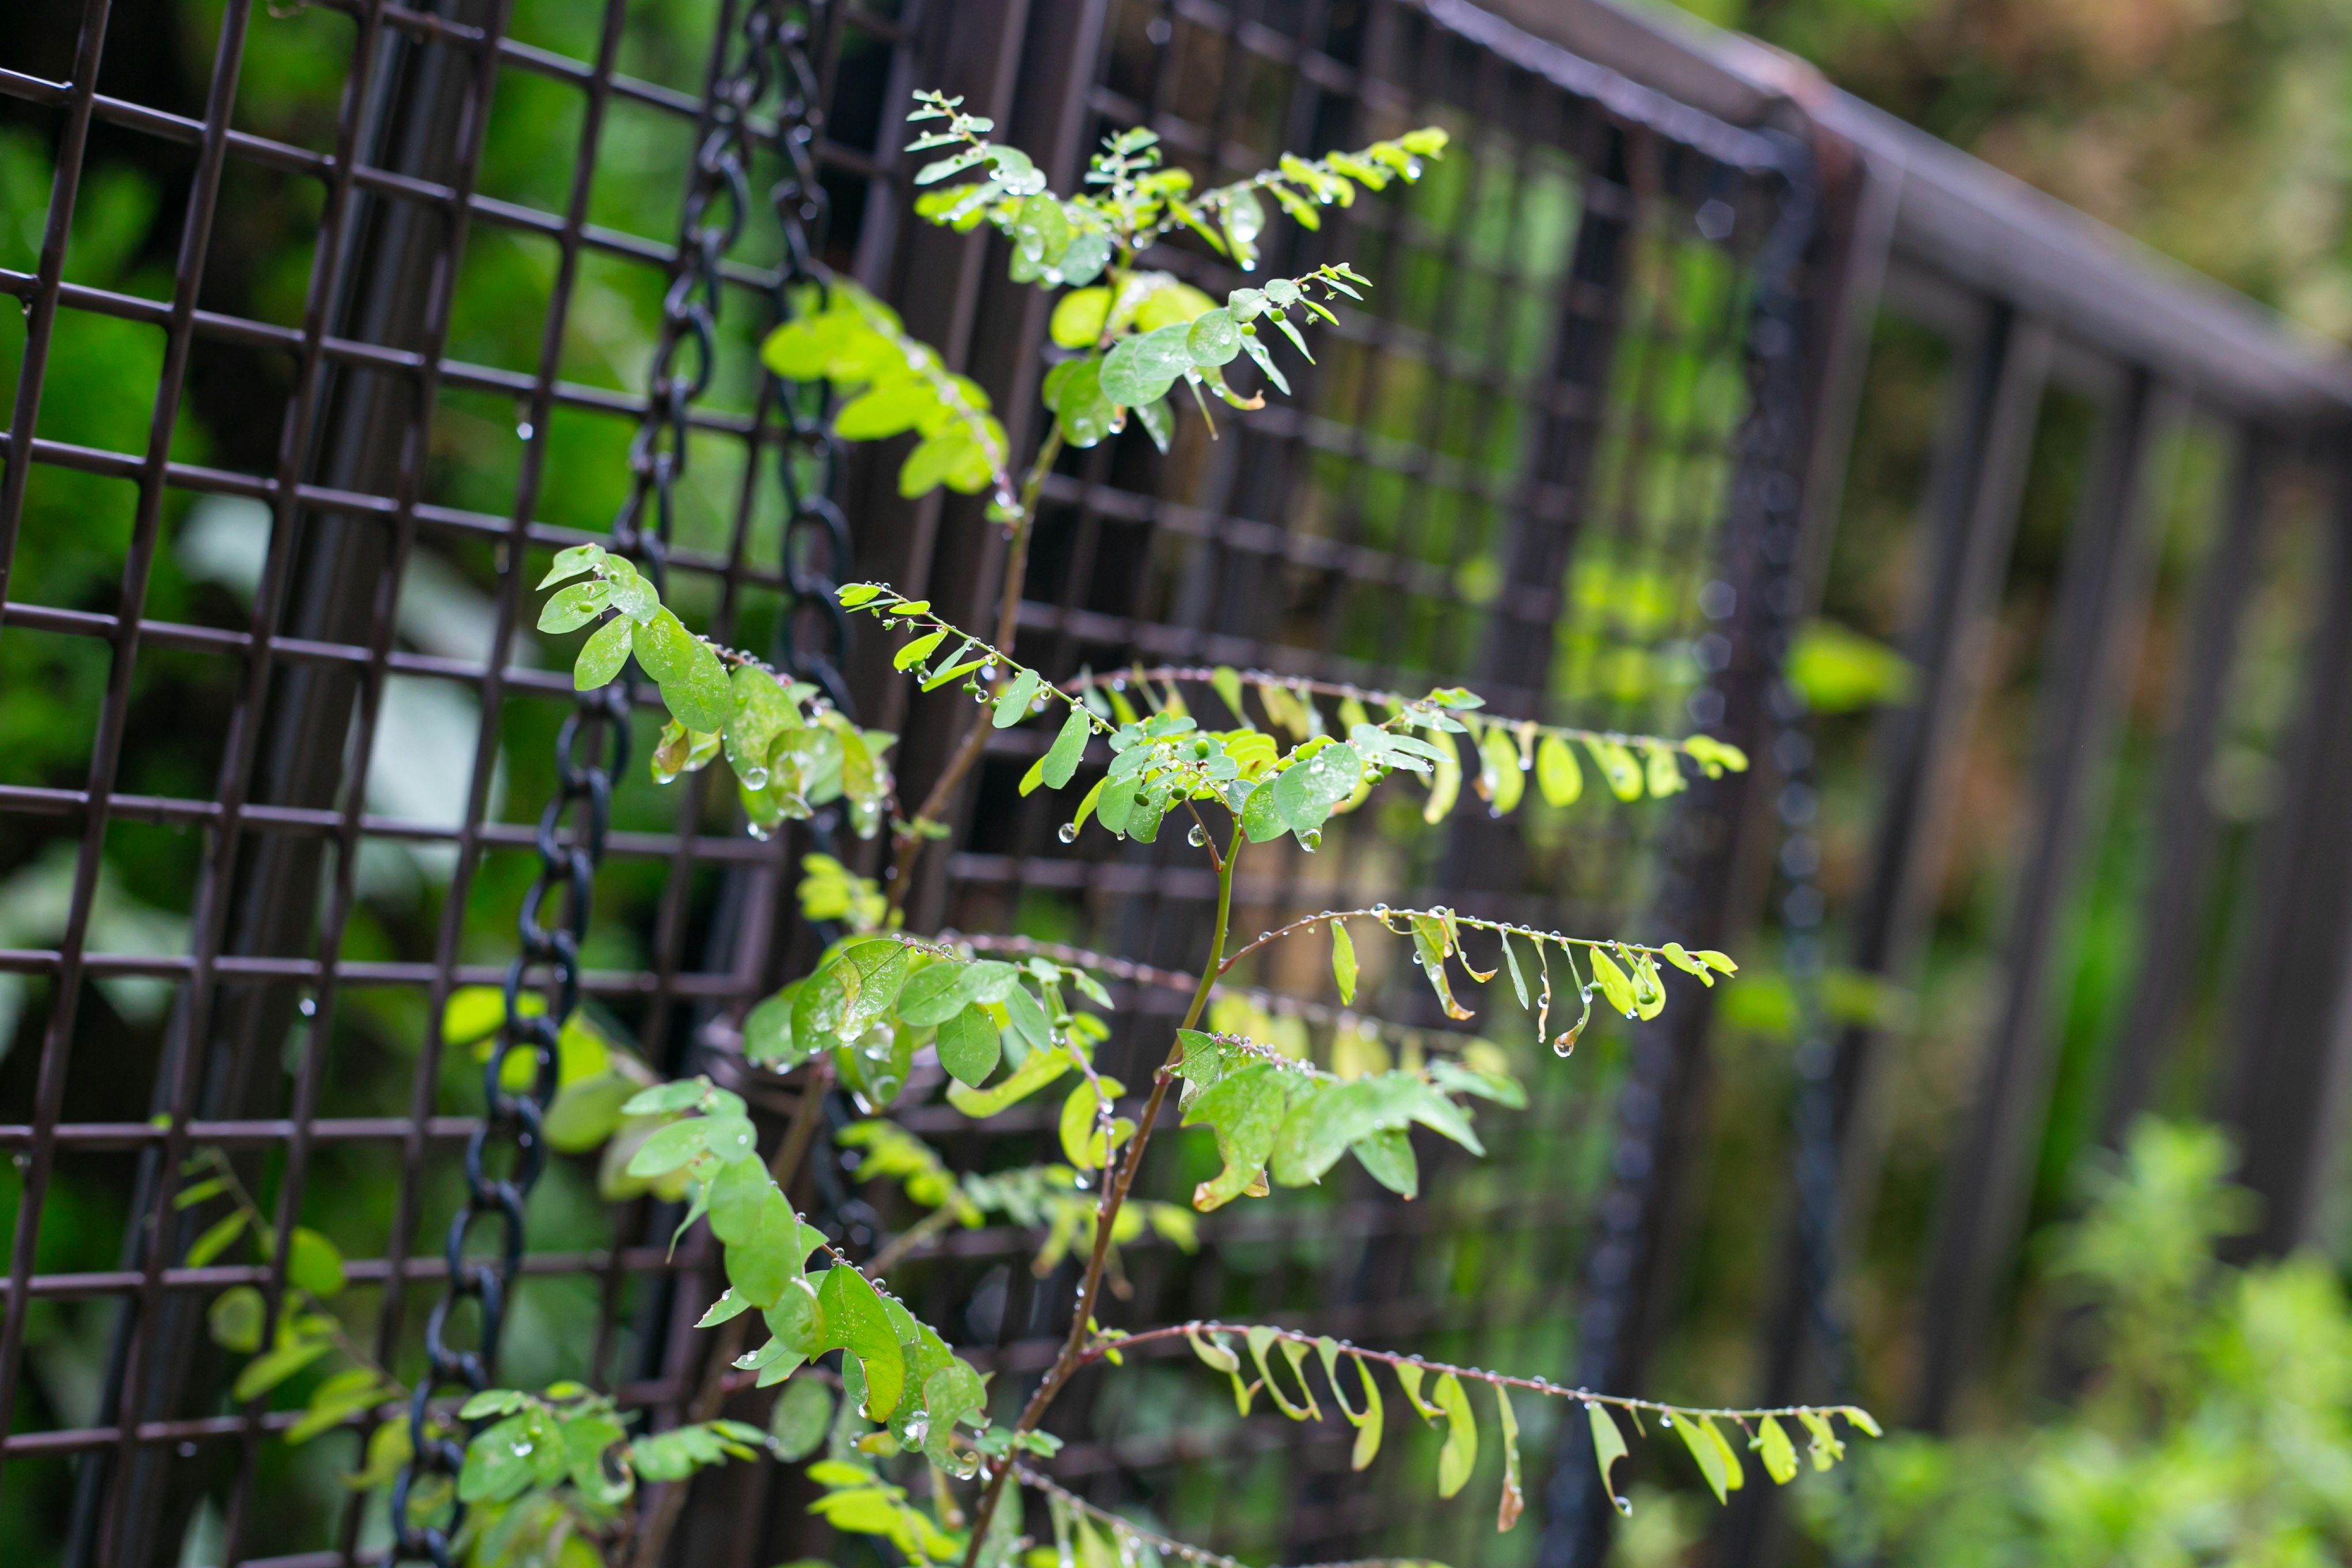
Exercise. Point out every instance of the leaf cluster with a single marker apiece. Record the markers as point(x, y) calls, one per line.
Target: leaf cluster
point(790, 753)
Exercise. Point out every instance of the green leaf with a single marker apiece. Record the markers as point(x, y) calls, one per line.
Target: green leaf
point(680, 1094)
point(1614, 984)
point(855, 1322)
point(1306, 792)
point(1322, 1125)
point(703, 700)
point(1214, 338)
point(314, 1264)
point(915, 652)
point(603, 654)
point(1772, 1441)
point(1259, 1337)
point(1716, 1460)
point(216, 1239)
point(1069, 749)
point(871, 973)
point(1368, 1421)
point(669, 1148)
point(586, 1440)
point(1388, 1157)
point(1027, 1017)
point(1500, 770)
point(493, 1402)
point(236, 1318)
point(504, 1461)
point(1617, 765)
point(892, 409)
point(189, 1196)
point(803, 1415)
point(339, 1397)
point(1083, 410)
point(1343, 963)
point(1084, 261)
point(1038, 1070)
point(1083, 1143)
point(265, 1371)
point(731, 1304)
point(1511, 963)
point(1262, 816)
point(571, 563)
point(762, 1254)
point(569, 609)
point(1078, 318)
point(1514, 1501)
point(1681, 959)
point(969, 1046)
point(1825, 1448)
point(1255, 347)
point(665, 647)
point(1607, 1447)
point(1158, 422)
point(1011, 704)
point(757, 711)
point(1139, 369)
point(1244, 1110)
point(1460, 1454)
point(797, 1318)
point(1408, 1376)
point(1719, 961)
point(1557, 774)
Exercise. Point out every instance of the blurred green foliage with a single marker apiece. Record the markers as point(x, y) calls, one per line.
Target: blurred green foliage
point(2213, 129)
point(2215, 1425)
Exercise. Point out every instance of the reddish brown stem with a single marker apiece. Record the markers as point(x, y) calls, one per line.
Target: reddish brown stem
point(1073, 1352)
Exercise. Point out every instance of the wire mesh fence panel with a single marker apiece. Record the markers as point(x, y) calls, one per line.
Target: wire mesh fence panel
point(1511, 465)
point(339, 323)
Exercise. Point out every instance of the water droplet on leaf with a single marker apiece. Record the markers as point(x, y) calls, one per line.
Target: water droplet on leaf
point(1069, 833)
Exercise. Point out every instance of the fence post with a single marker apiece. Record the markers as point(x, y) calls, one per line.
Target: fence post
point(2294, 1021)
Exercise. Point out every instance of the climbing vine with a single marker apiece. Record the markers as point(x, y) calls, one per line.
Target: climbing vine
point(906, 1440)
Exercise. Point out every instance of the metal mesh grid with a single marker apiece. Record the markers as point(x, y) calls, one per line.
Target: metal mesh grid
point(1511, 468)
point(435, 435)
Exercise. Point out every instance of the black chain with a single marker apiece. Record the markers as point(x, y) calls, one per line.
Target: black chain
point(772, 45)
point(814, 635)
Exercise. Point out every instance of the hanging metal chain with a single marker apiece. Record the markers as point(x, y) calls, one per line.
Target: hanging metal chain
point(814, 636)
point(685, 360)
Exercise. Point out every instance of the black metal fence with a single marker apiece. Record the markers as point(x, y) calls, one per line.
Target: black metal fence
point(1583, 448)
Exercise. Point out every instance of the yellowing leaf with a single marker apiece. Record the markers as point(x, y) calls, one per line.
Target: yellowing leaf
point(1343, 963)
point(1779, 1454)
point(1557, 774)
point(1607, 1447)
point(1514, 1501)
point(1460, 1454)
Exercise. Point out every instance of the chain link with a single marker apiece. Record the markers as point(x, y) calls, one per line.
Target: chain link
point(815, 631)
point(773, 47)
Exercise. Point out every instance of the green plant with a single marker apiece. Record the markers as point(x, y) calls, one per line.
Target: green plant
point(549, 1474)
point(2213, 1429)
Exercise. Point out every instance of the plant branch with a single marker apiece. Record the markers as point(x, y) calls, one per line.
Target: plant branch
point(1384, 914)
point(1114, 1197)
point(906, 845)
point(1104, 1344)
point(711, 1394)
point(1206, 675)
